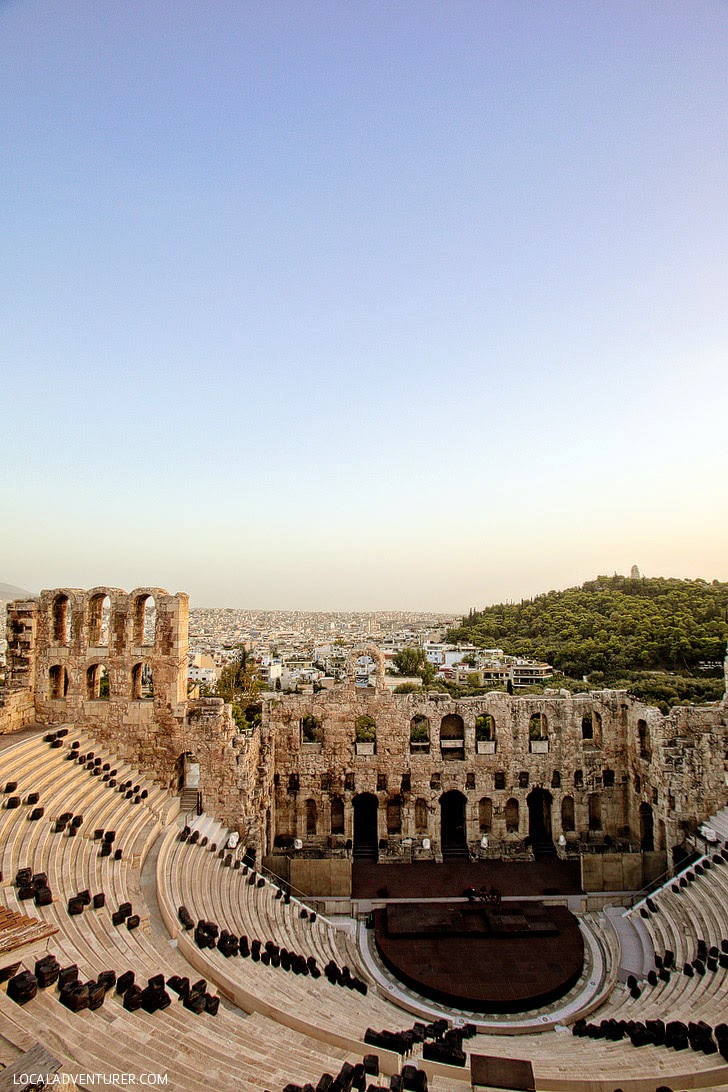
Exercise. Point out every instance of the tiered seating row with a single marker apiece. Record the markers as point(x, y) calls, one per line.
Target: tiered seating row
point(197, 1052)
point(193, 876)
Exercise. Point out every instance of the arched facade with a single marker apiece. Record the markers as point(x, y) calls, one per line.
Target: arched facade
point(62, 645)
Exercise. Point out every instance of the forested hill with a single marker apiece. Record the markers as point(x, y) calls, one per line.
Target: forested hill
point(614, 624)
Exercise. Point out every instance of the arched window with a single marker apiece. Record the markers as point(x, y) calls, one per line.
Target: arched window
point(485, 815)
point(421, 816)
point(58, 681)
point(567, 813)
point(311, 818)
point(97, 683)
point(337, 815)
point(556, 779)
point(61, 620)
point(142, 682)
point(99, 619)
point(365, 729)
point(420, 733)
point(484, 728)
point(587, 726)
point(537, 727)
point(595, 811)
point(512, 816)
point(311, 731)
point(452, 736)
point(394, 815)
point(144, 619)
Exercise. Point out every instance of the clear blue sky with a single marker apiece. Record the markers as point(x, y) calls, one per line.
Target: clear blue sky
point(362, 304)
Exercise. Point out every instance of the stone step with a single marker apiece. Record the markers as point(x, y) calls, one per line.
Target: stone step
point(188, 800)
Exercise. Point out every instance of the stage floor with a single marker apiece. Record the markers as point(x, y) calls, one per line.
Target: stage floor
point(479, 958)
point(427, 880)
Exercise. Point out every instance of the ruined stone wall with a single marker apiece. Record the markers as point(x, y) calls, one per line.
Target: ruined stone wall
point(600, 767)
point(55, 654)
point(625, 781)
point(17, 699)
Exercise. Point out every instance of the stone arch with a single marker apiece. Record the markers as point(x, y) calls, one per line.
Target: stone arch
point(375, 654)
point(421, 816)
point(58, 682)
point(452, 736)
point(512, 816)
point(99, 609)
point(452, 823)
point(366, 818)
point(484, 728)
point(567, 814)
point(144, 619)
point(98, 686)
point(365, 729)
point(187, 771)
point(539, 816)
point(485, 815)
point(61, 619)
point(420, 733)
point(142, 682)
point(311, 818)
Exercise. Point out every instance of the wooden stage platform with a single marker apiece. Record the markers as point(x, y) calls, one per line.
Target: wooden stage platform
point(517, 957)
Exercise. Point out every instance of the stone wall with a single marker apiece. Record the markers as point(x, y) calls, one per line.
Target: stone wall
point(607, 769)
point(17, 699)
point(596, 769)
point(55, 653)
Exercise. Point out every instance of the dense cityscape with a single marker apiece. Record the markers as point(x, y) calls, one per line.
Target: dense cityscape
point(300, 649)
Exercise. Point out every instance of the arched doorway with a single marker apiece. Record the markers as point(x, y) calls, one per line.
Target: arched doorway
point(539, 822)
point(366, 807)
point(452, 824)
point(188, 772)
point(647, 830)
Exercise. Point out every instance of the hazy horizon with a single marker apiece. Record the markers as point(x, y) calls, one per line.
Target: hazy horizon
point(311, 303)
point(426, 609)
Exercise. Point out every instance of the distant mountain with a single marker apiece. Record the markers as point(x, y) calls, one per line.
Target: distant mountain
point(10, 591)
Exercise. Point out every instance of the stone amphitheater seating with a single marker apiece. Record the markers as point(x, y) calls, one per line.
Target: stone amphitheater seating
point(291, 1029)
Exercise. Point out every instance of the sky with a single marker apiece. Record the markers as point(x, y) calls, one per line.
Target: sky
point(362, 305)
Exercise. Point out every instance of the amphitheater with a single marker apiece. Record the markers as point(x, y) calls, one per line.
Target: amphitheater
point(191, 906)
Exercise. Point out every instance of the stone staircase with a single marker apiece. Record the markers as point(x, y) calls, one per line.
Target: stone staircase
point(718, 823)
point(188, 800)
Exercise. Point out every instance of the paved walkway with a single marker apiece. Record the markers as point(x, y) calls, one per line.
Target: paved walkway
point(12, 738)
point(637, 955)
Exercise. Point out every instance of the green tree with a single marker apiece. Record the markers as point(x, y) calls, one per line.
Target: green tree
point(413, 661)
point(240, 684)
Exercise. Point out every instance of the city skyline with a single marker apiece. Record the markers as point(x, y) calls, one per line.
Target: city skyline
point(331, 307)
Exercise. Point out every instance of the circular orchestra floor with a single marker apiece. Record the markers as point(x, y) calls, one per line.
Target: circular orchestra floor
point(484, 958)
